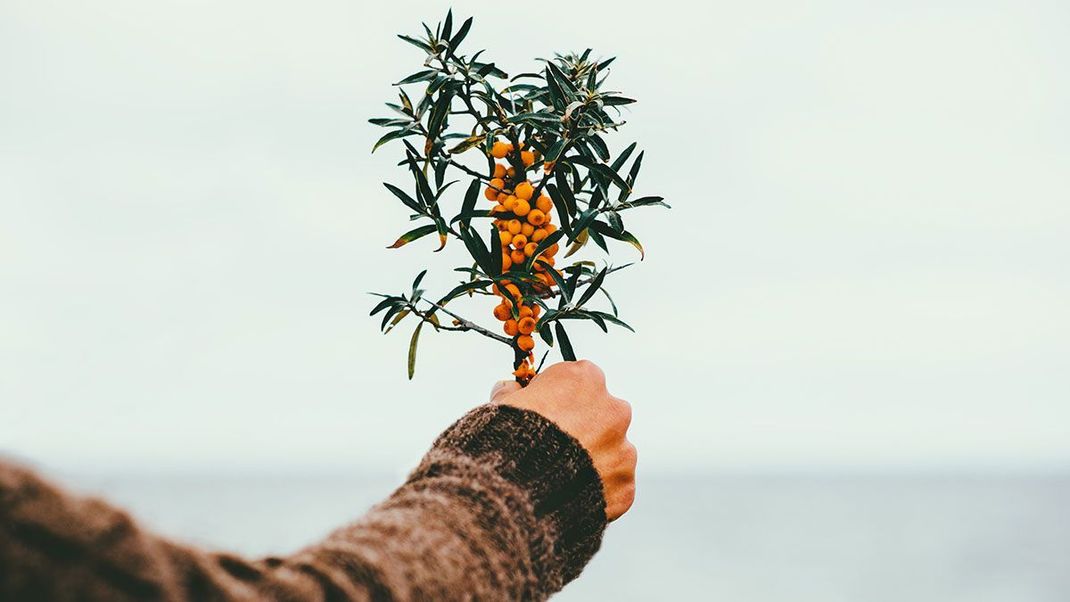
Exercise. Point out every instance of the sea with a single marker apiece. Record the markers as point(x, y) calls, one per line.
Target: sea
point(731, 537)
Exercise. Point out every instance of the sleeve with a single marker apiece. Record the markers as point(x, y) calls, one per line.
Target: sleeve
point(505, 506)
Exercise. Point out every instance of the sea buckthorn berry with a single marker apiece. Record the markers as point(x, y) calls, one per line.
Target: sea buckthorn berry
point(544, 203)
point(550, 229)
point(502, 224)
point(497, 183)
point(528, 158)
point(517, 256)
point(510, 204)
point(522, 208)
point(499, 170)
point(527, 229)
point(498, 209)
point(519, 240)
point(510, 327)
point(551, 251)
point(524, 190)
point(507, 262)
point(491, 194)
point(500, 149)
point(506, 238)
point(535, 309)
point(502, 312)
point(525, 311)
point(529, 249)
point(536, 217)
point(526, 325)
point(538, 234)
point(525, 342)
point(514, 227)
point(513, 290)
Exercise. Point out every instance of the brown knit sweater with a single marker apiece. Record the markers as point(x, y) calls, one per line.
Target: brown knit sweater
point(505, 506)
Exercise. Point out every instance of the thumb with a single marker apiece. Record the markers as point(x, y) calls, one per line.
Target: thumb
point(503, 388)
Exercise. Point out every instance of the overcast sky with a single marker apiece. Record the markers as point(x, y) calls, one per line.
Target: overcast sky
point(866, 263)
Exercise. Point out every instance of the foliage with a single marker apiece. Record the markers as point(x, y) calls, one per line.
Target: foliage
point(561, 112)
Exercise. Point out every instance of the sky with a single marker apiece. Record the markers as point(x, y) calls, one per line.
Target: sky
point(865, 265)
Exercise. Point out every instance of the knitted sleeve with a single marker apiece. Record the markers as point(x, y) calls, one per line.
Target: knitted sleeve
point(505, 506)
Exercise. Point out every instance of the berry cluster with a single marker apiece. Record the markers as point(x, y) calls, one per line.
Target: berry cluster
point(522, 223)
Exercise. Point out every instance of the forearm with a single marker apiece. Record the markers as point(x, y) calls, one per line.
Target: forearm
point(505, 506)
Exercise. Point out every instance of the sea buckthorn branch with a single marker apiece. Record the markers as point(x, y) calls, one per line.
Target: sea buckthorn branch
point(550, 121)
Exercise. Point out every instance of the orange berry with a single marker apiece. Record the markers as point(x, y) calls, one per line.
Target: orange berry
point(524, 190)
point(513, 290)
point(509, 171)
point(550, 229)
point(500, 223)
point(544, 204)
point(536, 217)
point(551, 251)
point(529, 249)
point(525, 342)
point(510, 327)
point(491, 194)
point(526, 325)
point(526, 311)
point(498, 209)
point(527, 230)
point(522, 208)
point(506, 238)
point(517, 256)
point(502, 312)
point(510, 203)
point(538, 234)
point(500, 149)
point(514, 227)
point(497, 183)
point(519, 240)
point(547, 279)
point(535, 309)
point(527, 157)
point(507, 262)
point(499, 170)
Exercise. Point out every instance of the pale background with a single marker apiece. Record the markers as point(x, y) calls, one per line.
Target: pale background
point(865, 268)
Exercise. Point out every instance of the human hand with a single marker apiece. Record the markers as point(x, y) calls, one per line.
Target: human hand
point(573, 396)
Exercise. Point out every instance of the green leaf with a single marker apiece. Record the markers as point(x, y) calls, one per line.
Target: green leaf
point(466, 144)
point(405, 198)
point(412, 235)
point(606, 230)
point(419, 76)
point(612, 101)
point(633, 173)
point(547, 334)
point(613, 319)
point(385, 303)
point(469, 204)
point(416, 282)
point(561, 285)
point(592, 288)
point(417, 43)
point(622, 157)
point(644, 201)
point(581, 224)
point(567, 353)
point(495, 251)
point(544, 244)
point(447, 27)
point(412, 349)
point(393, 135)
point(461, 34)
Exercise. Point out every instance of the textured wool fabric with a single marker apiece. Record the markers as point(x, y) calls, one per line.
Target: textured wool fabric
point(505, 506)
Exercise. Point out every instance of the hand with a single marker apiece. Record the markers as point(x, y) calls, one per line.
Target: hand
point(573, 396)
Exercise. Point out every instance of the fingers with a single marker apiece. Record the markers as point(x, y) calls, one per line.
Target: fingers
point(503, 388)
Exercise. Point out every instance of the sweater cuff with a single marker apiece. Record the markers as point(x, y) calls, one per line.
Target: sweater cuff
point(550, 465)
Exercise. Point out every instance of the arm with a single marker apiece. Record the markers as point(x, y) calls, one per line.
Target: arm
point(506, 505)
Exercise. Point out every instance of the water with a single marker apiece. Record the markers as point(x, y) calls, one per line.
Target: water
point(734, 538)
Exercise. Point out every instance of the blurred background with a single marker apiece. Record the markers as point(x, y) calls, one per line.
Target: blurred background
point(850, 377)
